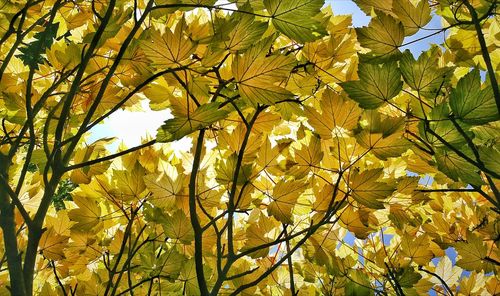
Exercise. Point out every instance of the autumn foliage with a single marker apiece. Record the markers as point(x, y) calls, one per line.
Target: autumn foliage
point(325, 160)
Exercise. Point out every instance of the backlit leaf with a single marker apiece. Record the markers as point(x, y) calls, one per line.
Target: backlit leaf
point(377, 84)
point(295, 18)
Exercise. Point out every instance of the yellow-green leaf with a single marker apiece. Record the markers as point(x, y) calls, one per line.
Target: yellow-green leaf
point(202, 117)
point(383, 35)
point(295, 18)
point(377, 84)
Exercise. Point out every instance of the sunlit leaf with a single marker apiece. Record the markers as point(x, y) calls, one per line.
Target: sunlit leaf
point(377, 84)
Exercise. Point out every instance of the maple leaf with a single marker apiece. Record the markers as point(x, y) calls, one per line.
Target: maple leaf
point(284, 198)
point(322, 153)
point(257, 74)
point(295, 18)
point(338, 114)
point(423, 75)
point(473, 254)
point(367, 190)
point(383, 35)
point(170, 48)
point(377, 85)
point(472, 104)
point(185, 124)
point(446, 271)
point(412, 17)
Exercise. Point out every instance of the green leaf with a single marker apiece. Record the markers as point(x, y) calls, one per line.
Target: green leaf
point(377, 84)
point(202, 117)
point(358, 285)
point(408, 278)
point(472, 254)
point(31, 54)
point(472, 104)
point(295, 18)
point(443, 127)
point(457, 168)
point(423, 75)
point(491, 158)
point(383, 35)
point(246, 31)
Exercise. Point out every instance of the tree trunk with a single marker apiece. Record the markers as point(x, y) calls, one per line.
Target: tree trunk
point(8, 225)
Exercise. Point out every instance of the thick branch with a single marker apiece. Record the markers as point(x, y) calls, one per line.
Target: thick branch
point(195, 223)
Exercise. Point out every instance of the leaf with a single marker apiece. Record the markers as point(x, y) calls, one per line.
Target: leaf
point(384, 35)
point(368, 5)
point(358, 221)
point(338, 115)
point(491, 158)
point(226, 169)
point(87, 215)
point(472, 104)
point(417, 249)
point(170, 48)
point(413, 17)
point(309, 156)
point(458, 168)
point(472, 254)
point(129, 183)
point(52, 244)
point(202, 117)
point(284, 198)
point(164, 190)
point(31, 54)
point(295, 18)
point(246, 31)
point(178, 227)
point(377, 85)
point(446, 271)
point(258, 75)
point(409, 278)
point(423, 75)
point(382, 146)
point(358, 284)
point(367, 191)
point(259, 233)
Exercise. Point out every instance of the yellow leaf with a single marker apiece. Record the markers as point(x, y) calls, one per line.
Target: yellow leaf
point(367, 191)
point(258, 75)
point(338, 116)
point(178, 227)
point(417, 248)
point(368, 5)
point(88, 213)
point(383, 35)
point(170, 48)
point(284, 198)
point(52, 244)
point(413, 17)
point(445, 270)
point(164, 190)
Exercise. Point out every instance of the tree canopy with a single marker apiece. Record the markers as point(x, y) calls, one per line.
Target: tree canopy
point(325, 160)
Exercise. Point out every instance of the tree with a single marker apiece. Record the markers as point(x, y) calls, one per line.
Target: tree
point(305, 133)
